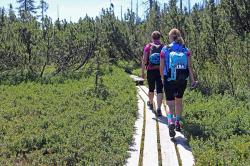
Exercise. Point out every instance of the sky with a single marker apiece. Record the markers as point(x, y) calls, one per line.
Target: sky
point(72, 10)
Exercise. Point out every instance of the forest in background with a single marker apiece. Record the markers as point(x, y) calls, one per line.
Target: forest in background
point(35, 49)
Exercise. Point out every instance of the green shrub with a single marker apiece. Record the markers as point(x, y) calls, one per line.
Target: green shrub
point(218, 128)
point(67, 123)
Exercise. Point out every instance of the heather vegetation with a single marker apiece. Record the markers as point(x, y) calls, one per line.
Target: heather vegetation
point(65, 97)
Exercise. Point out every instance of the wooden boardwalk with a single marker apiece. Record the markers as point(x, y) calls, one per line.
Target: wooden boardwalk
point(152, 144)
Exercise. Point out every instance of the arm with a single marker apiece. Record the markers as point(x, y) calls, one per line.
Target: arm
point(143, 63)
point(162, 66)
point(190, 69)
point(191, 73)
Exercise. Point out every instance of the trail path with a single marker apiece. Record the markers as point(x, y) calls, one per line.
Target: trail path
point(152, 144)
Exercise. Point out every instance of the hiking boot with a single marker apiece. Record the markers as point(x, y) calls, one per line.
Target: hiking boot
point(177, 126)
point(171, 130)
point(159, 112)
point(150, 105)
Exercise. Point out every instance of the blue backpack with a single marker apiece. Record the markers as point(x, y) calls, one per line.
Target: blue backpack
point(154, 56)
point(178, 64)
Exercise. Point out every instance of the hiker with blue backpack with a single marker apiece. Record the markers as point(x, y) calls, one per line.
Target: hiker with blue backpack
point(151, 62)
point(175, 68)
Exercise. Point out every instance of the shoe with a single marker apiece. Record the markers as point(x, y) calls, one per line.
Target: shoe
point(177, 126)
point(171, 130)
point(159, 112)
point(150, 105)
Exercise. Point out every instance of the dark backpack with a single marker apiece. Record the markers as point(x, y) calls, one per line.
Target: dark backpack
point(154, 55)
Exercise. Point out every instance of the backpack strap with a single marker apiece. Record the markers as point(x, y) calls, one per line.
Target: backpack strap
point(183, 49)
point(169, 48)
point(153, 44)
point(148, 54)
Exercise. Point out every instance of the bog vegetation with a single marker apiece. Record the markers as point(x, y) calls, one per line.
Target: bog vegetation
point(63, 91)
point(68, 121)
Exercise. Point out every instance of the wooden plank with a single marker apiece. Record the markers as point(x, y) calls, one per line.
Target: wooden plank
point(135, 148)
point(134, 77)
point(150, 153)
point(168, 152)
point(138, 80)
point(168, 149)
point(185, 152)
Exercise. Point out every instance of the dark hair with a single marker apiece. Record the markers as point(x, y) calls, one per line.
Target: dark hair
point(156, 35)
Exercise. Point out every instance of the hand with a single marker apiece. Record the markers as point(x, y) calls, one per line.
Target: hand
point(194, 84)
point(162, 80)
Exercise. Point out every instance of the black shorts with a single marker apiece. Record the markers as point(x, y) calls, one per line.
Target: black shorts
point(154, 78)
point(174, 89)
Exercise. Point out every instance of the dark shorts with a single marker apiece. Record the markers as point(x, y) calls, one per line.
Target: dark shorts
point(174, 89)
point(154, 78)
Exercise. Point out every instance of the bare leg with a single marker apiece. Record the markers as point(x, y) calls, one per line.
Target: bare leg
point(159, 100)
point(167, 109)
point(171, 125)
point(178, 109)
point(178, 106)
point(151, 97)
point(171, 107)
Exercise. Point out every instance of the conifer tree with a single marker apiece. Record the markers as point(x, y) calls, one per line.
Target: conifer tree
point(43, 7)
point(26, 8)
point(12, 15)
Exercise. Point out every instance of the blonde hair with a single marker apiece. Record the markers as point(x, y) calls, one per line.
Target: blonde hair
point(176, 35)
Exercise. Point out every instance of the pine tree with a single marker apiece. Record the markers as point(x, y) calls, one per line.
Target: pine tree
point(2, 17)
point(26, 8)
point(238, 11)
point(44, 7)
point(12, 15)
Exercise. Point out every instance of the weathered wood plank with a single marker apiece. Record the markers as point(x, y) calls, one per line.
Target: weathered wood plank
point(150, 153)
point(137, 80)
point(168, 152)
point(168, 147)
point(135, 148)
point(185, 152)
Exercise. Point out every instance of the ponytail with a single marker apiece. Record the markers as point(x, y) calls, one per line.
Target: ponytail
point(176, 34)
point(180, 40)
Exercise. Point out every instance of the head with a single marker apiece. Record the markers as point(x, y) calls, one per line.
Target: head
point(156, 35)
point(175, 35)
